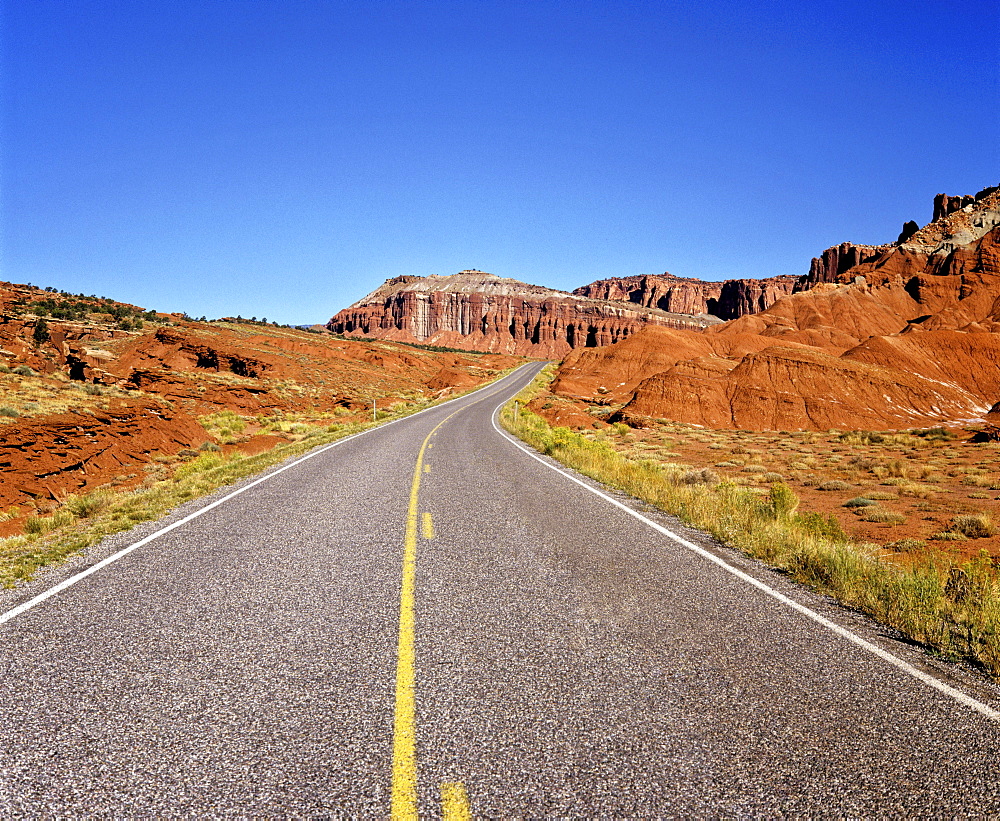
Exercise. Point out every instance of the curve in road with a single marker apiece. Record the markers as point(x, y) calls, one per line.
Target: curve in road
point(249, 656)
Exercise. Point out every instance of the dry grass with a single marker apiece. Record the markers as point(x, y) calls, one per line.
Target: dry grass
point(920, 598)
point(84, 520)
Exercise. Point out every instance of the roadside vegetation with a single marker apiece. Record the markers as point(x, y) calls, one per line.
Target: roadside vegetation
point(83, 520)
point(948, 601)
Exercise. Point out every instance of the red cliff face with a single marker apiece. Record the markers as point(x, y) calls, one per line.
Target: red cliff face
point(740, 297)
point(663, 291)
point(725, 300)
point(480, 311)
point(941, 247)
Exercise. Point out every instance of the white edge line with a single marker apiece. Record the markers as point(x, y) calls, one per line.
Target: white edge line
point(843, 632)
point(114, 557)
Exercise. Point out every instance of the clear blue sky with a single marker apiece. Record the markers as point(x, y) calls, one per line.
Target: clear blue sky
point(281, 158)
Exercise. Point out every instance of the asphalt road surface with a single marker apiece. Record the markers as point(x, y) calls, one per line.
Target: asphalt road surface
point(428, 616)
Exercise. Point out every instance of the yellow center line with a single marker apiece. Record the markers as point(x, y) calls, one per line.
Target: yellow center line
point(455, 802)
point(404, 738)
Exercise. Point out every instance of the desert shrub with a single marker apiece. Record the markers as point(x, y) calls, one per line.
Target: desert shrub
point(897, 468)
point(939, 434)
point(907, 545)
point(881, 516)
point(4, 368)
point(23, 370)
point(703, 476)
point(92, 389)
point(862, 462)
point(948, 536)
point(905, 487)
point(784, 502)
point(86, 506)
point(773, 477)
point(861, 437)
point(6, 410)
point(821, 527)
point(974, 480)
point(859, 501)
point(755, 469)
point(211, 446)
point(881, 496)
point(726, 464)
point(203, 463)
point(225, 425)
point(977, 526)
point(833, 485)
point(39, 525)
point(621, 428)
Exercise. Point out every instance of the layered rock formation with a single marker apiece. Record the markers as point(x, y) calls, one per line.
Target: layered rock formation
point(479, 311)
point(663, 291)
point(905, 335)
point(725, 300)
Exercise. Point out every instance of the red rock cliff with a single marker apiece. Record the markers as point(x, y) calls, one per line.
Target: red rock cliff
point(663, 291)
point(480, 311)
point(725, 300)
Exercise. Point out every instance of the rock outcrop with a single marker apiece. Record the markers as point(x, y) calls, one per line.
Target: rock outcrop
point(479, 311)
point(885, 337)
point(725, 300)
point(740, 297)
point(663, 291)
point(835, 261)
point(958, 222)
point(46, 458)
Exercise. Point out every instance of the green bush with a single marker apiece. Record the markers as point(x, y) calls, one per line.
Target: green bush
point(41, 332)
point(859, 501)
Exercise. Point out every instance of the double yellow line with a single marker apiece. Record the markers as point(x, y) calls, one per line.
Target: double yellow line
point(454, 800)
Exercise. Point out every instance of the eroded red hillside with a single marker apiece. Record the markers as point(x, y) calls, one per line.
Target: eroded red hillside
point(907, 337)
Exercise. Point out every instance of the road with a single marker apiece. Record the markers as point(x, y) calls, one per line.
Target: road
point(427, 613)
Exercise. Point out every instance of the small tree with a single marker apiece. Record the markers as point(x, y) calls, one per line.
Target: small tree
point(41, 333)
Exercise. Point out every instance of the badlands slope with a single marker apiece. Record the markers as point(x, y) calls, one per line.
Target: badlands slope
point(909, 337)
